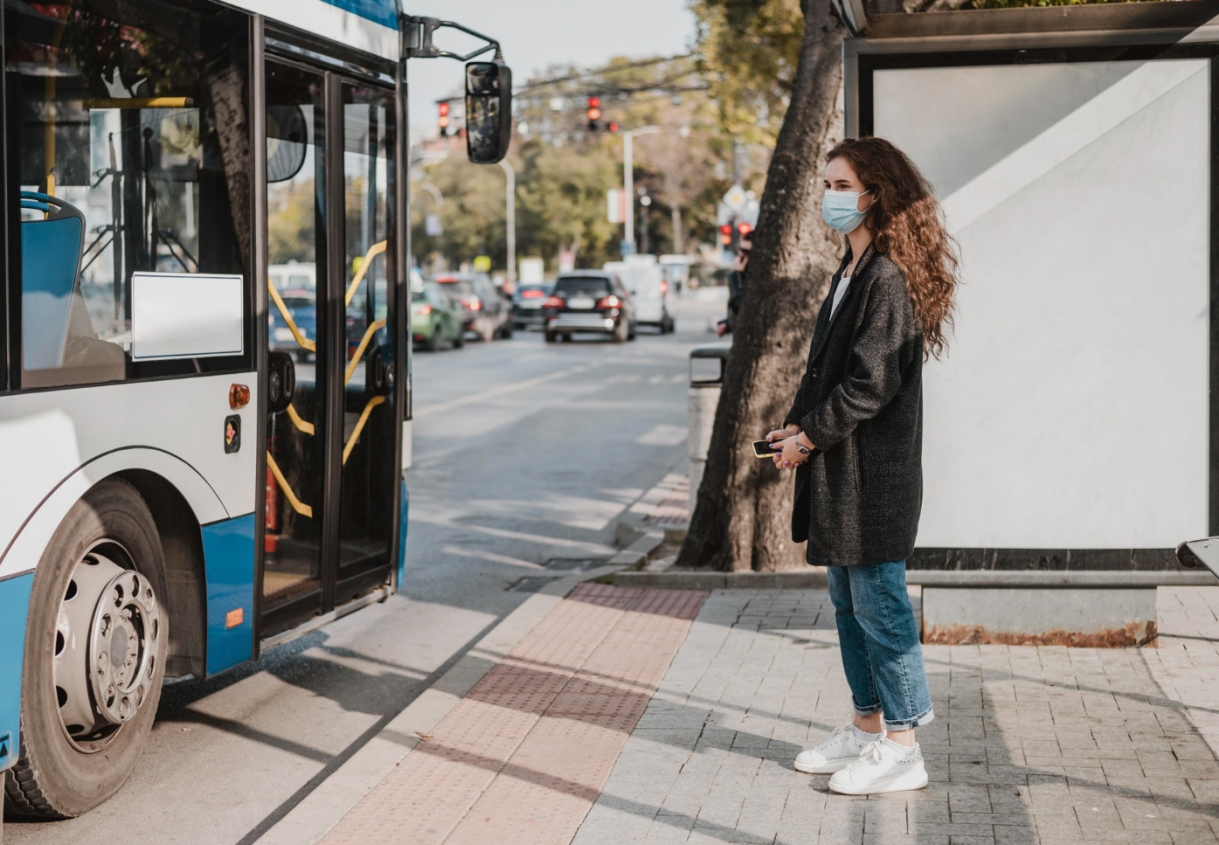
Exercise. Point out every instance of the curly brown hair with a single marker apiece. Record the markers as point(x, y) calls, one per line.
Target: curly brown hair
point(908, 226)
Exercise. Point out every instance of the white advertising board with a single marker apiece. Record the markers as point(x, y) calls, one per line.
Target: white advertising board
point(186, 315)
point(1072, 409)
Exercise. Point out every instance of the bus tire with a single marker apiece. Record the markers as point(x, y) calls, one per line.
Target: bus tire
point(106, 554)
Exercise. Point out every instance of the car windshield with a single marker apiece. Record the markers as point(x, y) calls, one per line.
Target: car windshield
point(582, 286)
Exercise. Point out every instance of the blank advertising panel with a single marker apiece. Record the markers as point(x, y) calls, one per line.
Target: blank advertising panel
point(1071, 411)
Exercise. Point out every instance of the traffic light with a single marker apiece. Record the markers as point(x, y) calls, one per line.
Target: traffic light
point(613, 127)
point(443, 120)
point(726, 235)
point(594, 114)
point(743, 229)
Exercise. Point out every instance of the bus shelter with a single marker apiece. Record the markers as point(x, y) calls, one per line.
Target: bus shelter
point(1073, 422)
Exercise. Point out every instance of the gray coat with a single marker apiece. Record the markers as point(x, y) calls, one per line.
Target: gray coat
point(859, 494)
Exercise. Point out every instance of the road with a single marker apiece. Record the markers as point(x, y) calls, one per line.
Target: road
point(524, 455)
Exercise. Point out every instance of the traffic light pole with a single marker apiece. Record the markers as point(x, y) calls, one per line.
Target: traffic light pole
point(628, 182)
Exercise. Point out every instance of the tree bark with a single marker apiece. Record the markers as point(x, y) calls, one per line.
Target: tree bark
point(743, 514)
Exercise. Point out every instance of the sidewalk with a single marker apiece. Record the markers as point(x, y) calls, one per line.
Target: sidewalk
point(617, 719)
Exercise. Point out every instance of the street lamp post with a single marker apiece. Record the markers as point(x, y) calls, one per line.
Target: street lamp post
point(628, 181)
point(510, 172)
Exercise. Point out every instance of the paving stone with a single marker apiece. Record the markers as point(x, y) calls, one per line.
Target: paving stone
point(587, 733)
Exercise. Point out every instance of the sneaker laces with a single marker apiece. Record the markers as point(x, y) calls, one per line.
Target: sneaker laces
point(872, 754)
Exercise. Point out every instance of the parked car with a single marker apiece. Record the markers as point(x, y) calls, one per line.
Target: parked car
point(645, 279)
point(296, 285)
point(589, 301)
point(435, 319)
point(529, 305)
point(488, 313)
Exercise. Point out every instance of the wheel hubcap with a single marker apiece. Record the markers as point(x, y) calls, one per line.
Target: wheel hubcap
point(106, 646)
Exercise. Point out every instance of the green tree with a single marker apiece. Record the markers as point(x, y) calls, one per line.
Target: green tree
point(561, 202)
point(473, 214)
point(749, 55)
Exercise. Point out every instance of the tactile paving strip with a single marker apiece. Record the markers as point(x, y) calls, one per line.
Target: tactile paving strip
point(525, 754)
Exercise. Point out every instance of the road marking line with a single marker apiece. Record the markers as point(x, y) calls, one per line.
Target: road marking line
point(502, 390)
point(663, 435)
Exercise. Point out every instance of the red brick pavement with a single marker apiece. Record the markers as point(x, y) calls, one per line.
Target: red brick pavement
point(523, 757)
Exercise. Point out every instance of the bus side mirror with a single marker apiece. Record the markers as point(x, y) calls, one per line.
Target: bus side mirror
point(488, 111)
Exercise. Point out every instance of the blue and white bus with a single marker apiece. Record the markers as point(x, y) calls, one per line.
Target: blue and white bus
point(201, 458)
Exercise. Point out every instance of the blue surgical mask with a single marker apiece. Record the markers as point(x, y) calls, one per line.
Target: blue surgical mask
point(840, 209)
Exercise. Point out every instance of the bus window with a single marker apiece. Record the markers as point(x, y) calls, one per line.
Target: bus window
point(132, 119)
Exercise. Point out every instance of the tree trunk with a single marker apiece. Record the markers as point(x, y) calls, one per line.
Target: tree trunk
point(743, 514)
point(679, 241)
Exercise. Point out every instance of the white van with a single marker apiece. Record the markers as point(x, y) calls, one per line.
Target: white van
point(645, 281)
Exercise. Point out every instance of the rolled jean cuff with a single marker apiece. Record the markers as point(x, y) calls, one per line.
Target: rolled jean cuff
point(866, 711)
point(924, 718)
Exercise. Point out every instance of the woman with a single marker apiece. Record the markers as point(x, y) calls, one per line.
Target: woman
point(854, 436)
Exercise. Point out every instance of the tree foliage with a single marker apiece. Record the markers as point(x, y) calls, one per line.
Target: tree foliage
point(749, 52)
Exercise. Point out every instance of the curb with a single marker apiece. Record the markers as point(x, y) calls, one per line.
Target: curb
point(816, 579)
point(637, 552)
point(323, 808)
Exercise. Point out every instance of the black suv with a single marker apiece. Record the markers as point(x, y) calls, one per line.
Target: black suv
point(589, 301)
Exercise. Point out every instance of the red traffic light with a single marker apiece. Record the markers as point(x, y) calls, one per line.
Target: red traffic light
point(444, 109)
point(744, 228)
point(443, 121)
point(613, 127)
point(594, 102)
point(726, 234)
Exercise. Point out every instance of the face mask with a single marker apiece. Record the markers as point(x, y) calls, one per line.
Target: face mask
point(840, 210)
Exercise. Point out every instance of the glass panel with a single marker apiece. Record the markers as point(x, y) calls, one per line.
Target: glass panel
point(296, 228)
point(369, 474)
point(124, 168)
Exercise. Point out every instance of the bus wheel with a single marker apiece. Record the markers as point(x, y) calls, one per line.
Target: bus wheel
point(94, 656)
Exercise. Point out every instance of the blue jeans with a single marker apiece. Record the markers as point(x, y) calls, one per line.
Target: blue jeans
point(880, 644)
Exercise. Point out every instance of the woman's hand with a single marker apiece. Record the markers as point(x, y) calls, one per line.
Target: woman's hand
point(791, 456)
point(783, 433)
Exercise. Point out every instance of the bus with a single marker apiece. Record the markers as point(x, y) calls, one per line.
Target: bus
point(205, 401)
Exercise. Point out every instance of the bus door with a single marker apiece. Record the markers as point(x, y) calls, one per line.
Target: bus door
point(332, 459)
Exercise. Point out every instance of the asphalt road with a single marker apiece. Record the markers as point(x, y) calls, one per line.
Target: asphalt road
point(524, 455)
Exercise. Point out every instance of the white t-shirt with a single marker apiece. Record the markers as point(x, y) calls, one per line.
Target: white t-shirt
point(839, 294)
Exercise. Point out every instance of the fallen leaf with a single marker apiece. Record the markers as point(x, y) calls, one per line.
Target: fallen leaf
point(423, 736)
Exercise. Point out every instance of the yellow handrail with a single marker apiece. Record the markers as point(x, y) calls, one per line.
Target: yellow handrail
point(305, 427)
point(373, 251)
point(137, 102)
point(355, 432)
point(304, 342)
point(355, 359)
point(297, 505)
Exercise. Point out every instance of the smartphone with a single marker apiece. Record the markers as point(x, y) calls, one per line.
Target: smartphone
point(762, 449)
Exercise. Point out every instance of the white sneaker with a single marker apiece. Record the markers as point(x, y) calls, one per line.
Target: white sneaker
point(840, 750)
point(883, 766)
